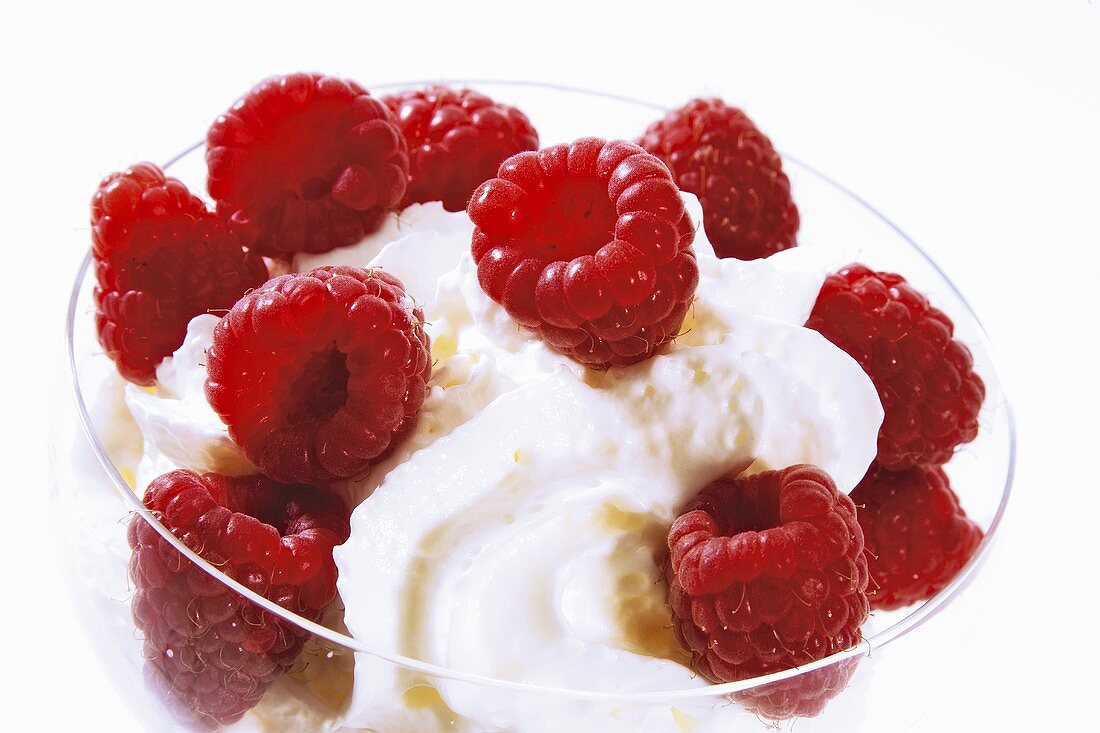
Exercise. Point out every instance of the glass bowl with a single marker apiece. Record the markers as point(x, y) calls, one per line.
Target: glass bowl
point(897, 670)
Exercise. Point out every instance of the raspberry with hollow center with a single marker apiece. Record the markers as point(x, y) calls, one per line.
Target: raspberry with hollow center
point(210, 654)
point(457, 138)
point(918, 536)
point(589, 245)
point(305, 163)
point(319, 374)
point(716, 152)
point(160, 260)
point(925, 379)
point(767, 573)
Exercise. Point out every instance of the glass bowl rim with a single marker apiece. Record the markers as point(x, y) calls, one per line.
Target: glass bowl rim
point(911, 621)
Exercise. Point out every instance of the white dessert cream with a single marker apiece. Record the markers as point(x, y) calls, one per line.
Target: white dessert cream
point(515, 534)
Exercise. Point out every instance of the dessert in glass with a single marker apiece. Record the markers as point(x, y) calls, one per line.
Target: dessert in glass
point(438, 415)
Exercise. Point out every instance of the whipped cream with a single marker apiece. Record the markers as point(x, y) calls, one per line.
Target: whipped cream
point(515, 534)
point(178, 427)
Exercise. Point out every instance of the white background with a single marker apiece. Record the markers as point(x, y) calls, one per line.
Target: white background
point(974, 126)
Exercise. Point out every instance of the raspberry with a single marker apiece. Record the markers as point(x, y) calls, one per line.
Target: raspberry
point(160, 259)
point(766, 573)
point(305, 163)
point(715, 152)
point(319, 374)
point(210, 654)
point(925, 379)
point(918, 536)
point(589, 245)
point(803, 696)
point(456, 139)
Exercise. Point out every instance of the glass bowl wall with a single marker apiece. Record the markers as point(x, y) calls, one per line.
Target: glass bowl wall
point(898, 672)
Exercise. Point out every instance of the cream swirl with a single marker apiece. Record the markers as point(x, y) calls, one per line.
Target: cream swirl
point(514, 533)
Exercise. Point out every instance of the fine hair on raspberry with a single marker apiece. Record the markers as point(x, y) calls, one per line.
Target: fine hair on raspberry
point(589, 245)
point(457, 138)
point(318, 375)
point(767, 573)
point(717, 153)
point(161, 258)
point(925, 378)
point(918, 535)
point(210, 654)
point(305, 163)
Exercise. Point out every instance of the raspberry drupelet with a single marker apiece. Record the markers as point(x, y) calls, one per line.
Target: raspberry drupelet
point(318, 375)
point(160, 259)
point(305, 163)
point(918, 536)
point(930, 393)
point(457, 138)
point(716, 152)
point(209, 653)
point(766, 573)
point(589, 245)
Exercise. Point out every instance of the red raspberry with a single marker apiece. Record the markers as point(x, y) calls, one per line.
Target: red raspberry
point(766, 573)
point(456, 139)
point(588, 244)
point(925, 379)
point(210, 654)
point(718, 154)
point(802, 696)
point(160, 260)
point(918, 536)
point(319, 374)
point(305, 163)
